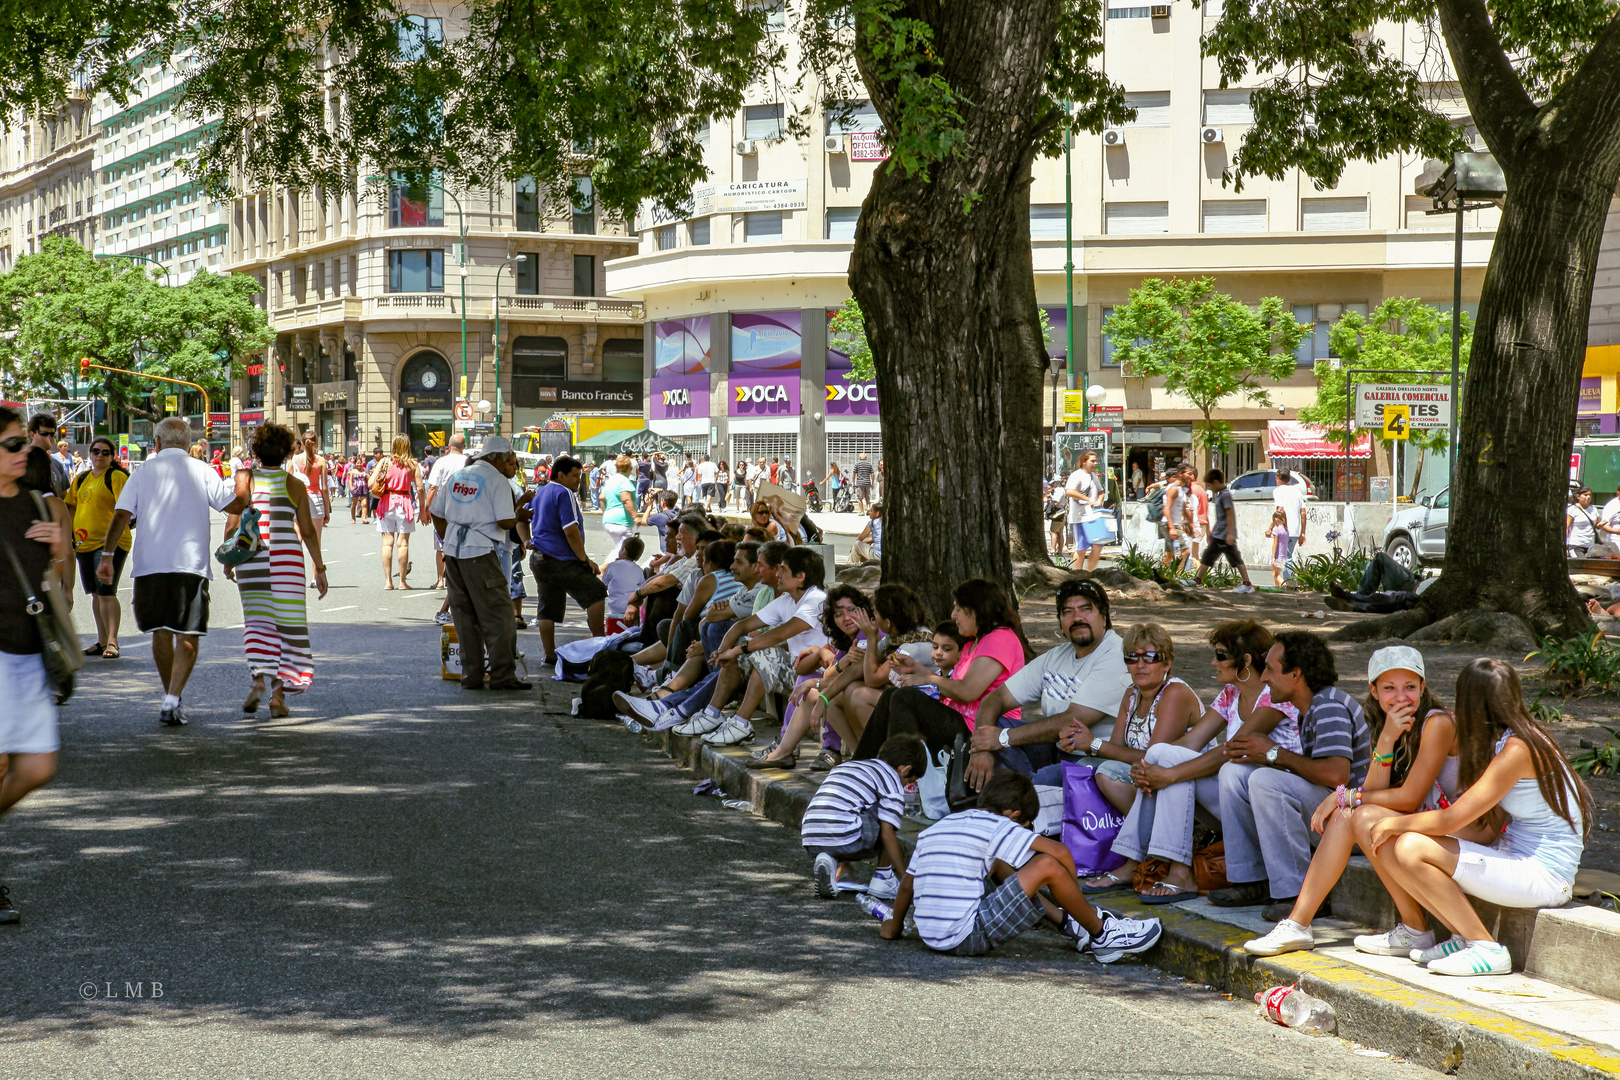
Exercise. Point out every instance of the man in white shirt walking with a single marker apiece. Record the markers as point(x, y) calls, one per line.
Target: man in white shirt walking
point(170, 495)
point(706, 472)
point(453, 461)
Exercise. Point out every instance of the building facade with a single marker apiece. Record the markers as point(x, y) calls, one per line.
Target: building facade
point(47, 179)
point(738, 290)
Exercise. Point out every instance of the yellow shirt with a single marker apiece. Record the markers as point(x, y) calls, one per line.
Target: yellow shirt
point(93, 506)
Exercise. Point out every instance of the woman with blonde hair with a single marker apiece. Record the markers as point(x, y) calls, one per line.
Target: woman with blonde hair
point(619, 504)
point(398, 484)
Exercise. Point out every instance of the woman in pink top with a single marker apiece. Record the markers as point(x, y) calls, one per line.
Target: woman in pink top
point(398, 490)
point(993, 653)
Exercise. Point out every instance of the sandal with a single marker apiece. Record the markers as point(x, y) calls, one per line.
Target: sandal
point(250, 704)
point(826, 760)
point(1148, 896)
point(1115, 883)
point(95, 650)
point(278, 707)
point(110, 653)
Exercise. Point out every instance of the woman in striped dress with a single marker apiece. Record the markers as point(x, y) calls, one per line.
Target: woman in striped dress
point(275, 632)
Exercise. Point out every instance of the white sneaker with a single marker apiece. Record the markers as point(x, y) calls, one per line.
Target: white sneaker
point(734, 731)
point(826, 870)
point(1122, 937)
point(442, 618)
point(701, 724)
point(1435, 952)
point(1401, 941)
point(884, 885)
point(646, 676)
point(1080, 935)
point(644, 708)
point(1478, 958)
point(1286, 936)
point(1243, 588)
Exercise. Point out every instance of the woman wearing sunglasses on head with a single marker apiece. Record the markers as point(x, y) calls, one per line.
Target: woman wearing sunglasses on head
point(93, 495)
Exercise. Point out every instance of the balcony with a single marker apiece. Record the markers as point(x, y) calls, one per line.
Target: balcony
point(571, 308)
point(447, 305)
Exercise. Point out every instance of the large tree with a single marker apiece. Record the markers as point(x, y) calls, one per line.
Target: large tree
point(60, 305)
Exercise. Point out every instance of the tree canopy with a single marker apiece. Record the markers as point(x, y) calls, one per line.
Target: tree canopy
point(60, 305)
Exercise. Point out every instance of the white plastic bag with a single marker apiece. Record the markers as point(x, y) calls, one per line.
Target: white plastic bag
point(931, 788)
point(1049, 822)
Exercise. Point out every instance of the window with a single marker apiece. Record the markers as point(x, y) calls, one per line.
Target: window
point(1123, 12)
point(863, 118)
point(526, 203)
point(584, 206)
point(841, 222)
point(1227, 107)
point(1418, 216)
point(405, 213)
point(762, 122)
point(763, 227)
point(584, 275)
point(1152, 109)
point(846, 448)
point(527, 273)
point(621, 360)
point(1107, 349)
point(698, 231)
point(415, 33)
point(664, 236)
point(415, 271)
point(1047, 220)
point(1319, 318)
point(1137, 218)
point(1235, 216)
point(1332, 215)
point(703, 133)
point(775, 16)
point(537, 361)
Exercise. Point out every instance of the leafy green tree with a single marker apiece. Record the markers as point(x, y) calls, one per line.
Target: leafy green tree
point(61, 305)
point(1206, 346)
point(1401, 334)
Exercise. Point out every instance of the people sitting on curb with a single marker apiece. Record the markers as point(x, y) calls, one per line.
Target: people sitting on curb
point(845, 653)
point(854, 816)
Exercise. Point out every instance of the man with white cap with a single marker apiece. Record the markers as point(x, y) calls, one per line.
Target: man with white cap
point(472, 512)
point(1268, 794)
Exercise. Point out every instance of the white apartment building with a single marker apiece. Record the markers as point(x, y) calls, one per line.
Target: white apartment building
point(738, 293)
point(47, 184)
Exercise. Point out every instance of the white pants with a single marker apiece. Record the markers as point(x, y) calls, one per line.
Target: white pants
point(1510, 881)
point(616, 533)
point(1161, 825)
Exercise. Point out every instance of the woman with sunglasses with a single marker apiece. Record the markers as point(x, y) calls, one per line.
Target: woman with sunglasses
point(93, 496)
point(1173, 779)
point(28, 738)
point(1159, 708)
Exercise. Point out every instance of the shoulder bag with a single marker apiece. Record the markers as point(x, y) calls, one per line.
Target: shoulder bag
point(48, 605)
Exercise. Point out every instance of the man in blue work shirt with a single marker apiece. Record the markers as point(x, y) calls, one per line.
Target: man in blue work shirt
point(559, 561)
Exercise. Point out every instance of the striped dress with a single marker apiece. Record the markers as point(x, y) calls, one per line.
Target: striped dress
point(275, 632)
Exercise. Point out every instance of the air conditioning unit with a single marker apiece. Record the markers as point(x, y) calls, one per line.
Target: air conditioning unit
point(833, 144)
point(747, 147)
point(1160, 11)
point(1113, 136)
point(1212, 135)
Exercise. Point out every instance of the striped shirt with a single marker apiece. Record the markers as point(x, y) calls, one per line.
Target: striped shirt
point(952, 860)
point(833, 818)
point(1335, 726)
point(725, 587)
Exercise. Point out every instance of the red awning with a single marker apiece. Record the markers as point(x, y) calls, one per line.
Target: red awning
point(1291, 439)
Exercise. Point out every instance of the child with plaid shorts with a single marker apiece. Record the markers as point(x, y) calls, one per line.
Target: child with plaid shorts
point(956, 857)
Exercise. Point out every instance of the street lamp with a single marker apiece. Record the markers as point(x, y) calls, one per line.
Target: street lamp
point(500, 273)
point(1451, 185)
point(143, 258)
point(1068, 256)
point(461, 259)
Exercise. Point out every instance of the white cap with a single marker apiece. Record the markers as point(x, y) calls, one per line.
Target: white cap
point(495, 444)
point(1394, 658)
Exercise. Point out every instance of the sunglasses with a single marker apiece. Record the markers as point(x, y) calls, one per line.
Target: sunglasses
point(1145, 657)
point(1222, 656)
point(96, 451)
point(49, 433)
point(13, 444)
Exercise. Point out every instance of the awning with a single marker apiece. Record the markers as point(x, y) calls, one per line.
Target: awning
point(623, 441)
point(1291, 439)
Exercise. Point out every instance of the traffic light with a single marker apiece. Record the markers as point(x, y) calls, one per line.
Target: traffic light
point(208, 431)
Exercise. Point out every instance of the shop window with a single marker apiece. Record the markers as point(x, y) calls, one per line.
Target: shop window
point(622, 360)
point(537, 363)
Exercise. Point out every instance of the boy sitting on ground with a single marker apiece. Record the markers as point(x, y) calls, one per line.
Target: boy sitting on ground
point(855, 815)
point(955, 856)
point(622, 576)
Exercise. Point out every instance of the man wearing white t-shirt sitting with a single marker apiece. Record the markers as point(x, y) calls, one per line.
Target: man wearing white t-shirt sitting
point(1079, 685)
point(768, 661)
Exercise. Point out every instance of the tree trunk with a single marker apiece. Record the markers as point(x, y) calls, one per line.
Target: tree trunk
point(948, 295)
point(1519, 400)
point(1022, 434)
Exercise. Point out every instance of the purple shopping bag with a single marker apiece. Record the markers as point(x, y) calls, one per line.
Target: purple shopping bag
point(1090, 822)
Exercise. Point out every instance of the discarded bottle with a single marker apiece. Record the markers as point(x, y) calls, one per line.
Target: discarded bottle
point(913, 799)
point(632, 725)
point(874, 907)
point(1294, 1008)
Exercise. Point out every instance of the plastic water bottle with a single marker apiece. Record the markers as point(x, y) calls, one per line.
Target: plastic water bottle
point(874, 907)
point(913, 800)
point(1294, 1008)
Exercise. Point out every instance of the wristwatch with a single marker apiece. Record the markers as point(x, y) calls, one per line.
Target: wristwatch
point(1096, 745)
point(1271, 755)
point(1006, 737)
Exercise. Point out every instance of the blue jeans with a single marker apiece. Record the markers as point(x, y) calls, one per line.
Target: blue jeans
point(687, 702)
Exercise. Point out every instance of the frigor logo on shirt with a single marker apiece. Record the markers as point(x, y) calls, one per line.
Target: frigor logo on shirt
point(466, 487)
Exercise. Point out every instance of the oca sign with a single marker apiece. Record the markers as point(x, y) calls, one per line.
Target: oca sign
point(762, 392)
point(763, 395)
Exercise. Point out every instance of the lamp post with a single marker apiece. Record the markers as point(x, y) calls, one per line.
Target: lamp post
point(461, 259)
point(499, 274)
point(143, 258)
point(1068, 260)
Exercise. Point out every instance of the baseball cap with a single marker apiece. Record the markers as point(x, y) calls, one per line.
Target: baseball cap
point(1392, 658)
point(495, 444)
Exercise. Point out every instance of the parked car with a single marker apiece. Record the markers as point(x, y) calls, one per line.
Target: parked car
point(1416, 535)
point(1258, 484)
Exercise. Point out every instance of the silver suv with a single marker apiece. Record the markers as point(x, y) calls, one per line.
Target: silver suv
point(1417, 534)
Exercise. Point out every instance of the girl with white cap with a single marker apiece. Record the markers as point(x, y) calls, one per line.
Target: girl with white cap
point(1414, 768)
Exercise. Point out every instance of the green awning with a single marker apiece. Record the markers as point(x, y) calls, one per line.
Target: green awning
point(622, 441)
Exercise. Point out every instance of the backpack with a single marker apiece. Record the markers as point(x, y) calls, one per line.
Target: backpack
point(610, 671)
point(1155, 504)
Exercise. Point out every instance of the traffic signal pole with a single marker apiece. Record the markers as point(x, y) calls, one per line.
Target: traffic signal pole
point(86, 365)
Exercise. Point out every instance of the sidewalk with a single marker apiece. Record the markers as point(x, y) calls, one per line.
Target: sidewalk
point(1517, 1025)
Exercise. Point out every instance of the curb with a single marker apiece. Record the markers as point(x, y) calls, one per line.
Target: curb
point(1444, 1034)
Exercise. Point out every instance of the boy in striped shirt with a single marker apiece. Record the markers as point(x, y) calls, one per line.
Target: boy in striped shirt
point(855, 815)
point(995, 841)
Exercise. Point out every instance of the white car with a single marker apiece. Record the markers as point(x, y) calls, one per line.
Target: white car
point(1416, 534)
point(1258, 484)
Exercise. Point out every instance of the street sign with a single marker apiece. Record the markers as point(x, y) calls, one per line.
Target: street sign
point(1074, 406)
point(1429, 407)
point(464, 412)
point(1397, 421)
point(171, 403)
point(1071, 444)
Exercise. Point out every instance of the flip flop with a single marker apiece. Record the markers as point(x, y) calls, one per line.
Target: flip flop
point(1097, 890)
point(95, 650)
point(1168, 898)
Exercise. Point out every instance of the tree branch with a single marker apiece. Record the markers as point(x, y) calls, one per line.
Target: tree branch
point(1589, 103)
point(1497, 100)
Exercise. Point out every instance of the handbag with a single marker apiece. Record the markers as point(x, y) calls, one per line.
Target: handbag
point(244, 541)
point(1209, 867)
point(958, 796)
point(58, 640)
point(378, 483)
point(1090, 822)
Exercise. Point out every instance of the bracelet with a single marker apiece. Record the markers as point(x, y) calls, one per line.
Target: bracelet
point(1384, 759)
point(1339, 796)
point(1358, 798)
point(824, 700)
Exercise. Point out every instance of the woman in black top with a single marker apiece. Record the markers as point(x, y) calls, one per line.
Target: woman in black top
point(28, 742)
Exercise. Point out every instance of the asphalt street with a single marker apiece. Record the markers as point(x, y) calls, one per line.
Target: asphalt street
point(405, 879)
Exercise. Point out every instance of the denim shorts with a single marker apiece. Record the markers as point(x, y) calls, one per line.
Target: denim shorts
point(28, 722)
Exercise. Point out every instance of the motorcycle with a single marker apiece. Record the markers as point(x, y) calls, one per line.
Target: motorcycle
point(843, 502)
point(812, 495)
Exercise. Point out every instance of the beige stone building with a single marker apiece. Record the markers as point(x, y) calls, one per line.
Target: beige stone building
point(47, 180)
